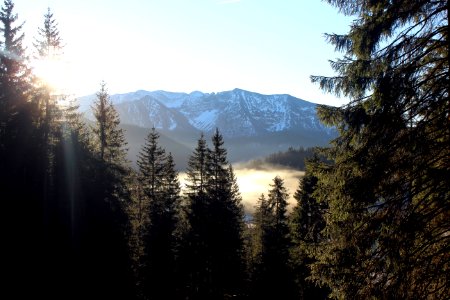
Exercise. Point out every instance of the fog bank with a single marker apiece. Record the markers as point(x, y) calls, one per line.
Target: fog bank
point(255, 181)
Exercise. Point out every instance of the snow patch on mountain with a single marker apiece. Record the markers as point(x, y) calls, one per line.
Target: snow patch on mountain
point(237, 113)
point(206, 120)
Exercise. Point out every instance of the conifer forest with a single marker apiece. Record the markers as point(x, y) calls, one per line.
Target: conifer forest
point(372, 213)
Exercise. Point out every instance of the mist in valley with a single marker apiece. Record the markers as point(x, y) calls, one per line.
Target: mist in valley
point(254, 181)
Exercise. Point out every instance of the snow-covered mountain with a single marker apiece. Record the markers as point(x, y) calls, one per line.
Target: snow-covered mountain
point(236, 113)
point(252, 124)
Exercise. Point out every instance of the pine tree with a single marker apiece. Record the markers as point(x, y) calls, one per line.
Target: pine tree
point(277, 200)
point(161, 188)
point(15, 109)
point(137, 212)
point(198, 169)
point(272, 275)
point(194, 261)
point(387, 190)
point(307, 222)
point(171, 184)
point(307, 217)
point(278, 239)
point(74, 124)
point(151, 162)
point(49, 48)
point(218, 177)
point(49, 44)
point(109, 146)
point(213, 250)
point(14, 71)
point(226, 223)
point(107, 201)
point(21, 165)
point(110, 140)
point(262, 220)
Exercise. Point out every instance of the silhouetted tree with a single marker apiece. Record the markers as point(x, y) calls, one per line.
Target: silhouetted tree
point(20, 168)
point(48, 47)
point(194, 261)
point(212, 251)
point(272, 277)
point(161, 189)
point(226, 223)
point(49, 43)
point(106, 198)
point(109, 138)
point(198, 169)
point(15, 107)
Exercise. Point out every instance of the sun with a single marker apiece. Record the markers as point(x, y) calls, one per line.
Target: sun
point(51, 72)
point(60, 76)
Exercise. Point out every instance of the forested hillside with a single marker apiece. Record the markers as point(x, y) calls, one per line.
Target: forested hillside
point(291, 158)
point(372, 220)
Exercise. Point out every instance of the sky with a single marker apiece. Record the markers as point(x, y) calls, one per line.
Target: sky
point(264, 46)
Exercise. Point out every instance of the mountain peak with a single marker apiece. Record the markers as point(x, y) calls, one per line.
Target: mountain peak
point(237, 113)
point(196, 94)
point(238, 90)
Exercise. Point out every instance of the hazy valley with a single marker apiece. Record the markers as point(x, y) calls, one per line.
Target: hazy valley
point(253, 125)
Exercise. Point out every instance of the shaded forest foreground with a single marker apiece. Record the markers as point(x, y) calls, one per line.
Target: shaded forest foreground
point(371, 222)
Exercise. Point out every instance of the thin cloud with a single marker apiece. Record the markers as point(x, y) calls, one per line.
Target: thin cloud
point(228, 1)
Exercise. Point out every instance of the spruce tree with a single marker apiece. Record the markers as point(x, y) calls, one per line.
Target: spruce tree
point(106, 178)
point(307, 218)
point(171, 184)
point(262, 219)
point(226, 223)
point(14, 70)
point(306, 223)
point(277, 241)
point(387, 190)
point(15, 109)
point(19, 171)
point(161, 189)
point(151, 161)
point(74, 124)
point(272, 275)
point(194, 261)
point(48, 48)
point(198, 169)
point(213, 250)
point(49, 44)
point(110, 141)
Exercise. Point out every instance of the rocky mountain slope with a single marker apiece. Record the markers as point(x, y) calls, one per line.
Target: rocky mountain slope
point(252, 124)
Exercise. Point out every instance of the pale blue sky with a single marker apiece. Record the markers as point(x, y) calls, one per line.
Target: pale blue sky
point(265, 46)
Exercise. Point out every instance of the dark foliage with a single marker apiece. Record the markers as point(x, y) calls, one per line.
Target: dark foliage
point(292, 158)
point(307, 222)
point(389, 215)
point(62, 216)
point(272, 276)
point(212, 249)
point(161, 197)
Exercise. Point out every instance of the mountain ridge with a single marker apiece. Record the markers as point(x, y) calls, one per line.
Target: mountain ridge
point(253, 124)
point(236, 113)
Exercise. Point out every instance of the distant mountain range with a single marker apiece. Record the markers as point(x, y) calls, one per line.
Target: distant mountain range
point(252, 124)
